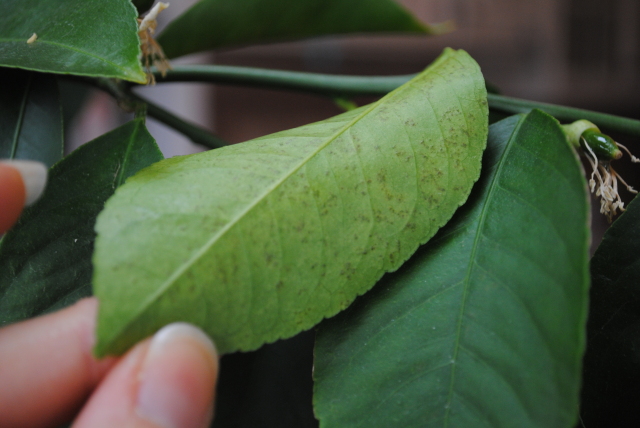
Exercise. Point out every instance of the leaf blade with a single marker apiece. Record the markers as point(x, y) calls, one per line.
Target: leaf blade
point(260, 21)
point(611, 370)
point(30, 117)
point(73, 37)
point(262, 255)
point(45, 260)
point(436, 328)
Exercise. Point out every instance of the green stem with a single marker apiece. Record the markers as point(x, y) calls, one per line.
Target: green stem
point(128, 100)
point(567, 114)
point(192, 131)
point(336, 86)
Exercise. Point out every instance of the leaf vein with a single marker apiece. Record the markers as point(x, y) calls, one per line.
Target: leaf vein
point(405, 314)
point(198, 254)
point(467, 279)
point(21, 115)
point(516, 391)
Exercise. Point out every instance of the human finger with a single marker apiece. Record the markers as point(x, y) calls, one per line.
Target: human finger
point(21, 183)
point(47, 369)
point(167, 381)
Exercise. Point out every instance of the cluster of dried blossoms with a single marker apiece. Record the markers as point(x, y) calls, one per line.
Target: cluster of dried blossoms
point(152, 54)
point(606, 186)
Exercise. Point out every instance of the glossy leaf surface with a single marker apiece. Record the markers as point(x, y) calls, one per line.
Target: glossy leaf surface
point(257, 241)
point(89, 38)
point(484, 326)
point(30, 117)
point(612, 361)
point(212, 24)
point(45, 260)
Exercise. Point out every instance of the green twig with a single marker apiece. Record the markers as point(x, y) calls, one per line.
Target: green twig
point(337, 86)
point(129, 101)
point(566, 114)
point(334, 86)
point(192, 131)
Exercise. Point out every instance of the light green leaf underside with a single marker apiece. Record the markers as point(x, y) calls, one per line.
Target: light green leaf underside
point(484, 326)
point(212, 24)
point(90, 38)
point(260, 240)
point(45, 260)
point(30, 117)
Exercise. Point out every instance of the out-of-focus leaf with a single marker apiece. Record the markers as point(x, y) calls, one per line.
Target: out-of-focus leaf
point(611, 383)
point(45, 260)
point(89, 38)
point(258, 241)
point(212, 24)
point(484, 326)
point(30, 117)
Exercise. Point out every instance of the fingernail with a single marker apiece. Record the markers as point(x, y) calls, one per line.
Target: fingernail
point(177, 379)
point(34, 177)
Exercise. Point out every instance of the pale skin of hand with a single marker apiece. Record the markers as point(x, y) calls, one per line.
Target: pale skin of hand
point(48, 375)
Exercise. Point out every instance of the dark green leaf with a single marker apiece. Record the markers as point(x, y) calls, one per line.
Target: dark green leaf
point(45, 260)
point(270, 387)
point(30, 117)
point(612, 362)
point(258, 241)
point(484, 326)
point(89, 38)
point(212, 24)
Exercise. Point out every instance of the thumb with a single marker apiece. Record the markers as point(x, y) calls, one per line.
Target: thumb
point(167, 381)
point(21, 183)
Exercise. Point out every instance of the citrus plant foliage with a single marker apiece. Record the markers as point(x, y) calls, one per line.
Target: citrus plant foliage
point(89, 38)
point(212, 24)
point(30, 116)
point(45, 260)
point(611, 360)
point(485, 325)
point(492, 310)
point(297, 224)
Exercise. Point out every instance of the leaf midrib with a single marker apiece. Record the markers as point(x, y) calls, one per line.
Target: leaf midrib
point(180, 271)
point(121, 171)
point(21, 114)
point(474, 249)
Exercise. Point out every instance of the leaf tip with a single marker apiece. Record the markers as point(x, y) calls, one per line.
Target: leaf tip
point(136, 75)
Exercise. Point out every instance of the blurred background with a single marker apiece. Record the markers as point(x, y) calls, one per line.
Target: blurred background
point(581, 53)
